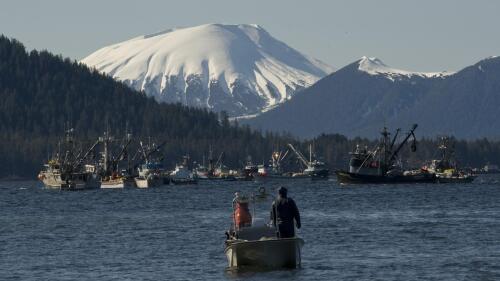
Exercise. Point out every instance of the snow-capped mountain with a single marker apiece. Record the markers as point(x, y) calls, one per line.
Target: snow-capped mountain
point(240, 69)
point(362, 97)
point(374, 66)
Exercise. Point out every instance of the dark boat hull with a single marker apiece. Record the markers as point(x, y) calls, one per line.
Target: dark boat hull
point(346, 177)
point(265, 254)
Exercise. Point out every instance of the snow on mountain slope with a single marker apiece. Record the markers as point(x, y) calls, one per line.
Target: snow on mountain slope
point(374, 66)
point(240, 69)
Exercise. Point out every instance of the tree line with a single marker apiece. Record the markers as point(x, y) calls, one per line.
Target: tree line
point(41, 93)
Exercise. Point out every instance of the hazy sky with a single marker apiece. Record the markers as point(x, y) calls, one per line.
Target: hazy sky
point(413, 35)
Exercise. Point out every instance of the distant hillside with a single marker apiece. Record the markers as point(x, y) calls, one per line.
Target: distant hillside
point(40, 93)
point(360, 98)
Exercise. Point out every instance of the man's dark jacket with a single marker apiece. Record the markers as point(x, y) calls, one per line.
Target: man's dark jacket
point(283, 212)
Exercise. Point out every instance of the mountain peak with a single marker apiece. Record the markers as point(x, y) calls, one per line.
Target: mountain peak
point(238, 68)
point(375, 66)
point(372, 65)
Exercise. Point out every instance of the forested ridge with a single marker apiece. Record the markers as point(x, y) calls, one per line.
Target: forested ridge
point(40, 94)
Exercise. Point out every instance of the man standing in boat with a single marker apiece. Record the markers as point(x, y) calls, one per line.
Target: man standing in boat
point(283, 212)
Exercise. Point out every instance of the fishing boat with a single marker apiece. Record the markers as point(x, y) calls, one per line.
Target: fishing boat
point(263, 170)
point(112, 177)
point(215, 170)
point(263, 173)
point(276, 169)
point(446, 168)
point(69, 171)
point(201, 172)
point(381, 164)
point(222, 172)
point(250, 170)
point(118, 182)
point(55, 176)
point(252, 244)
point(182, 174)
point(149, 175)
point(314, 168)
point(151, 172)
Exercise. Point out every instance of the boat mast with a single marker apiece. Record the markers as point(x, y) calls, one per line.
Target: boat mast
point(411, 133)
point(385, 139)
point(310, 152)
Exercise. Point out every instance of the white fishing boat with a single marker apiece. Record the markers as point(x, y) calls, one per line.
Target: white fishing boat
point(149, 175)
point(68, 171)
point(201, 172)
point(120, 182)
point(112, 177)
point(182, 174)
point(53, 178)
point(313, 168)
point(148, 181)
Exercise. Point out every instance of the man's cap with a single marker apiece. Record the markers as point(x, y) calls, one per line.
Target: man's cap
point(282, 191)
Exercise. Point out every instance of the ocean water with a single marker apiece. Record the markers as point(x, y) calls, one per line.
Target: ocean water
point(354, 232)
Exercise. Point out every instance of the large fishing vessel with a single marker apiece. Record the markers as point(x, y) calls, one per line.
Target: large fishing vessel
point(68, 170)
point(216, 170)
point(111, 175)
point(182, 174)
point(314, 168)
point(446, 168)
point(381, 164)
point(151, 171)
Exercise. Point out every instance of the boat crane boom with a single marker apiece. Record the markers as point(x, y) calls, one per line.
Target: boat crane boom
point(284, 155)
point(219, 159)
point(395, 137)
point(151, 151)
point(410, 133)
point(299, 155)
point(80, 159)
point(122, 152)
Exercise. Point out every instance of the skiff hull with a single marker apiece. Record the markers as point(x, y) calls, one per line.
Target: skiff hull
point(264, 254)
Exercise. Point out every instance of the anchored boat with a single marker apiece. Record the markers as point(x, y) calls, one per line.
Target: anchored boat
point(252, 244)
point(111, 177)
point(446, 168)
point(149, 175)
point(381, 165)
point(182, 174)
point(315, 169)
point(151, 172)
point(69, 171)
